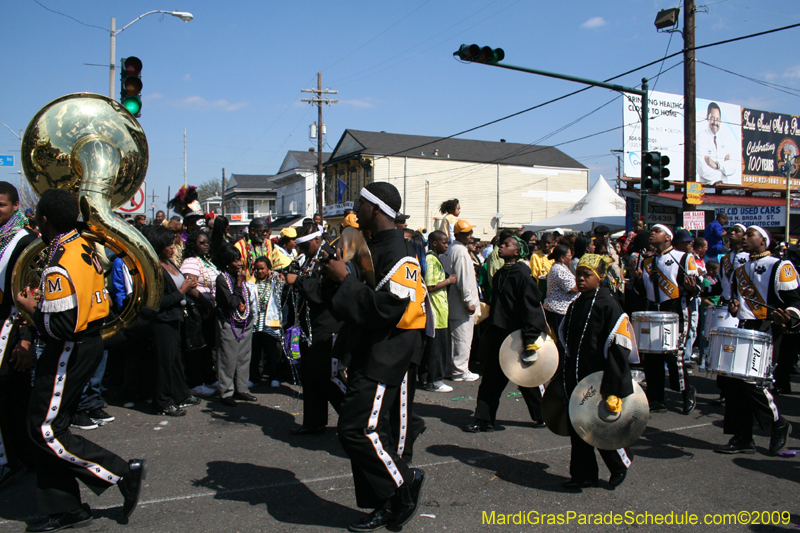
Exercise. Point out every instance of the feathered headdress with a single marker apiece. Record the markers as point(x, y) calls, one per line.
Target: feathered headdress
point(185, 202)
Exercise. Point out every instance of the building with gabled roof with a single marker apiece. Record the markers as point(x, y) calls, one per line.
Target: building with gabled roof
point(296, 185)
point(498, 184)
point(249, 196)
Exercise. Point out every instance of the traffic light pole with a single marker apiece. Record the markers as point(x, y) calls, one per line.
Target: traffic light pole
point(614, 87)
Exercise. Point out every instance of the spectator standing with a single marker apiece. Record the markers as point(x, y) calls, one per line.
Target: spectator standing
point(714, 234)
point(710, 281)
point(437, 281)
point(219, 235)
point(267, 331)
point(540, 264)
point(451, 209)
point(561, 288)
point(285, 251)
point(462, 299)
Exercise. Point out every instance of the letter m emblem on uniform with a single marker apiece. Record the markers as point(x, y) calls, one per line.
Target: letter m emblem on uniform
point(54, 286)
point(412, 274)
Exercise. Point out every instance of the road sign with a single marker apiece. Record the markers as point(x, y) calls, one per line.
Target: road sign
point(6, 160)
point(135, 206)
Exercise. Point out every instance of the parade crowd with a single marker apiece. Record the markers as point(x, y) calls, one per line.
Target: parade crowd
point(262, 309)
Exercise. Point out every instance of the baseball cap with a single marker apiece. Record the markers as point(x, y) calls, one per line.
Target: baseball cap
point(291, 233)
point(462, 226)
point(682, 236)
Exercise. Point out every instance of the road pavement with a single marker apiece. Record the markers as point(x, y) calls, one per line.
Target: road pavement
point(239, 470)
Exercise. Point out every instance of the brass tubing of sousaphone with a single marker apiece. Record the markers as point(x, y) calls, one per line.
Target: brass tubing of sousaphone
point(100, 161)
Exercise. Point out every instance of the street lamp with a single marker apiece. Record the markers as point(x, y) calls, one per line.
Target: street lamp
point(183, 15)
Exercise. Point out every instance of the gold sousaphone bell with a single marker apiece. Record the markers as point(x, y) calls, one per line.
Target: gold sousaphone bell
point(525, 374)
point(93, 147)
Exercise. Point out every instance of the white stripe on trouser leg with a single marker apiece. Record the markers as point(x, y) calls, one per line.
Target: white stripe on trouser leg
point(771, 401)
point(624, 456)
point(401, 441)
point(541, 389)
point(681, 374)
point(55, 404)
point(373, 437)
point(4, 334)
point(334, 377)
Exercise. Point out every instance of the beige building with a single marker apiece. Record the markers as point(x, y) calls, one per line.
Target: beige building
point(521, 182)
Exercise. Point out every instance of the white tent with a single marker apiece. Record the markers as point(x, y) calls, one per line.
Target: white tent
point(600, 207)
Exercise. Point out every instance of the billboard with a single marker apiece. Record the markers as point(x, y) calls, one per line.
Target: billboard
point(734, 146)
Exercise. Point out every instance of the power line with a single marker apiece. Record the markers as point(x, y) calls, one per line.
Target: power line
point(781, 88)
point(69, 17)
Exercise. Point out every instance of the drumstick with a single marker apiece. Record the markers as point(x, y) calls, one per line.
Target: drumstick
point(760, 303)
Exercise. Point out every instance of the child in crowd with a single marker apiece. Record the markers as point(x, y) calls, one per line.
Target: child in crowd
point(235, 317)
point(267, 331)
point(437, 281)
point(709, 280)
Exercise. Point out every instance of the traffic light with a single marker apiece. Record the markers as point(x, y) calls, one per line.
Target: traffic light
point(476, 54)
point(131, 85)
point(656, 172)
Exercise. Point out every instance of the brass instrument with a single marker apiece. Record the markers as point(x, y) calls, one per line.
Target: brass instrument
point(93, 147)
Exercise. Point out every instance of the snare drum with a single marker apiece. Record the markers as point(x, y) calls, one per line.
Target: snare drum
point(718, 317)
point(656, 332)
point(741, 353)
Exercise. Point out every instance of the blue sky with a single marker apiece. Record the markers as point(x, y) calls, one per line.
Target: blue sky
point(232, 76)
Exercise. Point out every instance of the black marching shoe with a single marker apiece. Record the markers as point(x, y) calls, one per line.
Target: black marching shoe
point(780, 434)
point(244, 396)
point(80, 517)
point(576, 484)
point(131, 485)
point(172, 410)
point(657, 407)
point(737, 445)
point(303, 430)
point(616, 479)
point(479, 426)
point(689, 400)
point(377, 519)
point(191, 401)
point(406, 499)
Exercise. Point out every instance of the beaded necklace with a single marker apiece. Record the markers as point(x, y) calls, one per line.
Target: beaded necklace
point(236, 314)
point(10, 230)
point(580, 342)
point(208, 279)
point(53, 249)
point(253, 252)
point(300, 303)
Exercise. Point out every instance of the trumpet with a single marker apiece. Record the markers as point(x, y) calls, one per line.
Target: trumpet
point(93, 147)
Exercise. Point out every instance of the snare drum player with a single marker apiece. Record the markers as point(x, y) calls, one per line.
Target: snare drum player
point(383, 331)
point(596, 337)
point(669, 278)
point(73, 307)
point(764, 280)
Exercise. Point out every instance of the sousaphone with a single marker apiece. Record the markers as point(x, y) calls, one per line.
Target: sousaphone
point(93, 147)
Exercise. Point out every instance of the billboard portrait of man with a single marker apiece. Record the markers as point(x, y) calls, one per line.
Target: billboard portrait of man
point(719, 145)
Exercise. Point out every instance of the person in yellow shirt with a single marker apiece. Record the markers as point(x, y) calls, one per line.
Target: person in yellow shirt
point(285, 251)
point(540, 264)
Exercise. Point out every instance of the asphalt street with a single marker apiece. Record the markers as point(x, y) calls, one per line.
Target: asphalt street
point(239, 470)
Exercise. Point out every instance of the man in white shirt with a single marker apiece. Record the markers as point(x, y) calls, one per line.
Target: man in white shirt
point(716, 153)
point(462, 299)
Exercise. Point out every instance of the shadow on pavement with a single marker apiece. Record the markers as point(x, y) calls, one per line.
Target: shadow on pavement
point(788, 468)
point(524, 473)
point(285, 497)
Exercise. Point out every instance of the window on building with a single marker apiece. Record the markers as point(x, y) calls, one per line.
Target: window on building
point(251, 208)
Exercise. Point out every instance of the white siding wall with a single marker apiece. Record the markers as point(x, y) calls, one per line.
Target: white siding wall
point(526, 194)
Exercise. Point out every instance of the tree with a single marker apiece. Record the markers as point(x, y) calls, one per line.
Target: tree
point(209, 188)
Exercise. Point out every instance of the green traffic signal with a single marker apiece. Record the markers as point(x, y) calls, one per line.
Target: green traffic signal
point(131, 85)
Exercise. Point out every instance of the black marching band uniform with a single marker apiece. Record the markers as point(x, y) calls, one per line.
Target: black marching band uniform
point(74, 306)
point(15, 386)
point(381, 337)
point(663, 275)
point(516, 304)
point(596, 337)
point(320, 370)
point(775, 284)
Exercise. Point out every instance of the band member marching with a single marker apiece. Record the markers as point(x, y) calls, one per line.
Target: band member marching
point(596, 337)
point(669, 278)
point(763, 282)
point(516, 304)
point(16, 350)
point(383, 333)
point(73, 307)
point(320, 370)
point(732, 260)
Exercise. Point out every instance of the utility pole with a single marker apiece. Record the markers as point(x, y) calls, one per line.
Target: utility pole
point(184, 157)
point(689, 99)
point(223, 192)
point(153, 197)
point(319, 100)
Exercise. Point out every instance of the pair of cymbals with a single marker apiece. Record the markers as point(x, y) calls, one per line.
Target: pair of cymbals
point(601, 428)
point(356, 252)
point(531, 374)
point(554, 406)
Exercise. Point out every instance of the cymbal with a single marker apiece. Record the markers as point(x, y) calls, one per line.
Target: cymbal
point(599, 427)
point(355, 251)
point(528, 374)
point(482, 313)
point(554, 406)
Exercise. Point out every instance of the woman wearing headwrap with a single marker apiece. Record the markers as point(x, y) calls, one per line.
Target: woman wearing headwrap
point(596, 337)
point(516, 304)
